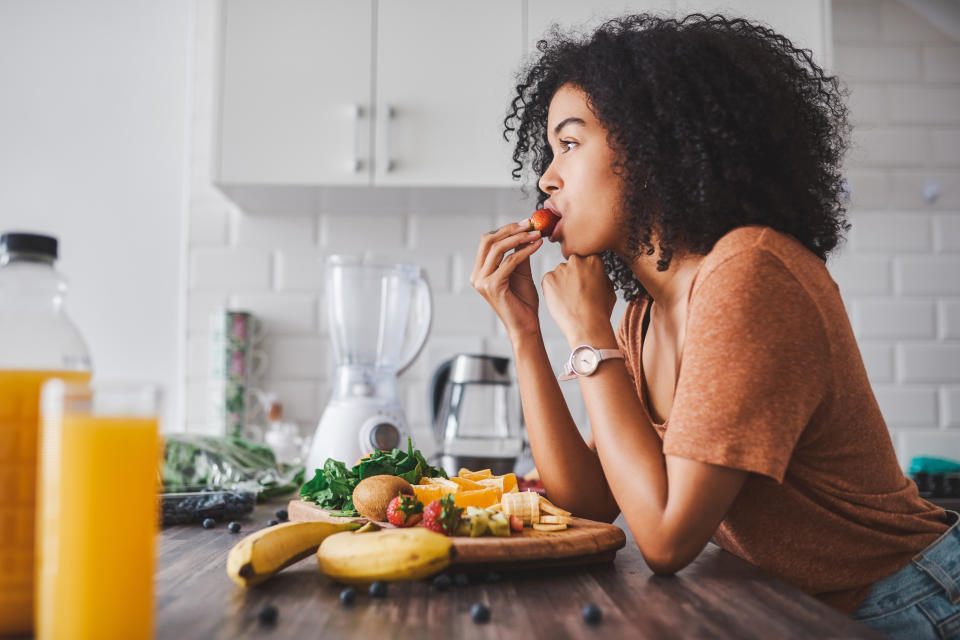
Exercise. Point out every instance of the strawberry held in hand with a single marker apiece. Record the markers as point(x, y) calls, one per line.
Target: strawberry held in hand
point(442, 515)
point(404, 511)
point(544, 221)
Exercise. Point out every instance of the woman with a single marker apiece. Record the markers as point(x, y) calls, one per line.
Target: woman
point(695, 165)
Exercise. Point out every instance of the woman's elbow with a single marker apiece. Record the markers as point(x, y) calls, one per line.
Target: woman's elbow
point(666, 561)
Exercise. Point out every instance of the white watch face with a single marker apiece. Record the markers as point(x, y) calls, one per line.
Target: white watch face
point(585, 361)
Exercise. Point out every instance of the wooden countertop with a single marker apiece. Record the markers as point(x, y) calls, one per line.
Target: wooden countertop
point(717, 596)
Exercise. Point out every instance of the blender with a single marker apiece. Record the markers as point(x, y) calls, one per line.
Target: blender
point(379, 315)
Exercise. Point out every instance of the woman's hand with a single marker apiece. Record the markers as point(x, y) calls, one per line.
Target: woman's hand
point(580, 298)
point(506, 283)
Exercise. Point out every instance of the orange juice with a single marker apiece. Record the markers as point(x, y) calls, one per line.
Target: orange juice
point(98, 521)
point(19, 420)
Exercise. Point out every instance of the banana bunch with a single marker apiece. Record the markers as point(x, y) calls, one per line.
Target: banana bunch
point(262, 554)
point(528, 505)
point(391, 554)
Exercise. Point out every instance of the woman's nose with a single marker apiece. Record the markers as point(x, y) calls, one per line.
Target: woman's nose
point(549, 181)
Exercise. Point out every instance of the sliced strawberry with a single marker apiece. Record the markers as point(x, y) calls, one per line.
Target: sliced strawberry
point(404, 511)
point(543, 220)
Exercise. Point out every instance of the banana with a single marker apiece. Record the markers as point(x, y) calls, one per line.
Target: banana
point(391, 554)
point(262, 554)
point(525, 505)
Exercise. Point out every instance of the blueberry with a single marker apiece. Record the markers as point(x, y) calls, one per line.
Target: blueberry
point(480, 613)
point(270, 523)
point(282, 515)
point(442, 582)
point(378, 589)
point(209, 523)
point(348, 595)
point(268, 615)
point(461, 580)
point(591, 614)
point(492, 576)
point(234, 527)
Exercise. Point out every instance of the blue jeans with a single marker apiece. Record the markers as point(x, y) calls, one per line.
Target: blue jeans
point(921, 600)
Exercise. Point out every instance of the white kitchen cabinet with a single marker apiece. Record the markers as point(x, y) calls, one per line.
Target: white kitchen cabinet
point(302, 102)
point(444, 82)
point(295, 101)
point(403, 93)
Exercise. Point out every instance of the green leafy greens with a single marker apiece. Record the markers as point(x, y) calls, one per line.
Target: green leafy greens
point(332, 486)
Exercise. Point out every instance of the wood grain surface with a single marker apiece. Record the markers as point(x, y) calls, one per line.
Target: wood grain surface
point(585, 541)
point(717, 596)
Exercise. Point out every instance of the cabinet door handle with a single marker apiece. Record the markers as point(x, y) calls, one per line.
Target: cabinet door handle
point(389, 113)
point(356, 115)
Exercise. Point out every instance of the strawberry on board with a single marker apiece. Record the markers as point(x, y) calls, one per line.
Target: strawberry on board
point(442, 515)
point(543, 220)
point(404, 511)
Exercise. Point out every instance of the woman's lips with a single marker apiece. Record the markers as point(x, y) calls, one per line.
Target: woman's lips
point(555, 236)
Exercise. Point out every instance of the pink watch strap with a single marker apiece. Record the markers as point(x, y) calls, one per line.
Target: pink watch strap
point(605, 354)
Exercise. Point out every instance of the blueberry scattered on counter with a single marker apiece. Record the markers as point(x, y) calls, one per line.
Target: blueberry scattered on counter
point(492, 576)
point(480, 613)
point(270, 523)
point(591, 614)
point(442, 582)
point(282, 515)
point(461, 580)
point(209, 523)
point(234, 527)
point(378, 589)
point(268, 615)
point(348, 595)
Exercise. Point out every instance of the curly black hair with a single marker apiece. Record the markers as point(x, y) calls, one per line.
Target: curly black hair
point(716, 122)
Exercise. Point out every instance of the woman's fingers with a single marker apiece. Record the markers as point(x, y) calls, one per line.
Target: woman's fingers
point(515, 259)
point(500, 248)
point(487, 241)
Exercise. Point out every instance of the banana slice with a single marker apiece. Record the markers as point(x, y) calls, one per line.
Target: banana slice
point(549, 507)
point(550, 519)
point(549, 527)
point(523, 504)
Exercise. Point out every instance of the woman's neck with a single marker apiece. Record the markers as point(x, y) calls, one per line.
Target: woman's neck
point(669, 289)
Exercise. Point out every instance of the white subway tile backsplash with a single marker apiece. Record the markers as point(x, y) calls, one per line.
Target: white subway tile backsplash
point(927, 275)
point(941, 63)
point(861, 275)
point(949, 320)
point(198, 354)
point(435, 262)
point(200, 304)
point(300, 399)
point(907, 406)
point(878, 361)
point(923, 105)
point(886, 318)
point(868, 188)
point(297, 357)
point(362, 233)
point(891, 232)
point(432, 232)
point(281, 313)
point(449, 201)
point(856, 21)
point(950, 407)
point(900, 23)
point(889, 147)
point(276, 231)
point(872, 62)
point(947, 232)
point(945, 147)
point(908, 188)
point(462, 314)
point(438, 350)
point(209, 227)
point(866, 102)
point(926, 442)
point(300, 270)
point(930, 362)
point(230, 269)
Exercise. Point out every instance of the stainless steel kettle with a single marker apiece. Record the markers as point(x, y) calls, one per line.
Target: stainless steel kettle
point(476, 416)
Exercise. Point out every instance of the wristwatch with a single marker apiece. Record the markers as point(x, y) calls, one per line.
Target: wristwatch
point(584, 361)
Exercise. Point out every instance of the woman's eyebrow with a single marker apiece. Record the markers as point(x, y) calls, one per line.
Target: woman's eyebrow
point(565, 122)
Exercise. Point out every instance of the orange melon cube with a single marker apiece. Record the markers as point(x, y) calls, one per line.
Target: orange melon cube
point(477, 498)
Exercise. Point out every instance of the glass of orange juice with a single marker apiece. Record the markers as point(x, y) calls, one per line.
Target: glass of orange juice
point(97, 515)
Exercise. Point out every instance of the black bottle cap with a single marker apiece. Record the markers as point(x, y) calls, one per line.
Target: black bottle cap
point(34, 243)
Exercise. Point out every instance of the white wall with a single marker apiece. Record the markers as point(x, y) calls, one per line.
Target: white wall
point(93, 137)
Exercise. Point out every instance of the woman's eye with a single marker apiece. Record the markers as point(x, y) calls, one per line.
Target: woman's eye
point(565, 143)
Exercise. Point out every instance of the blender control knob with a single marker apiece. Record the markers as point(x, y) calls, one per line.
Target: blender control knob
point(385, 436)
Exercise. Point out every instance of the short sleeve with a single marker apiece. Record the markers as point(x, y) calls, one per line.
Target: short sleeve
point(753, 370)
point(629, 335)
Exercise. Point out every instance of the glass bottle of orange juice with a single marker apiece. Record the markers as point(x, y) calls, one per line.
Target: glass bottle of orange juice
point(37, 342)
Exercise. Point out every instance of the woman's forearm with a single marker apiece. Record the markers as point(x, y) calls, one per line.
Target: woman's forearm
point(570, 471)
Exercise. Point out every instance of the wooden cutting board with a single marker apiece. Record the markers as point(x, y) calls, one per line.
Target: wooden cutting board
point(583, 542)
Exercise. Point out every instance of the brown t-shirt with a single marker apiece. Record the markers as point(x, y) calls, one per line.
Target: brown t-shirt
point(771, 382)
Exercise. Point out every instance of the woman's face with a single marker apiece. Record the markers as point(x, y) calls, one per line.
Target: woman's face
point(580, 181)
